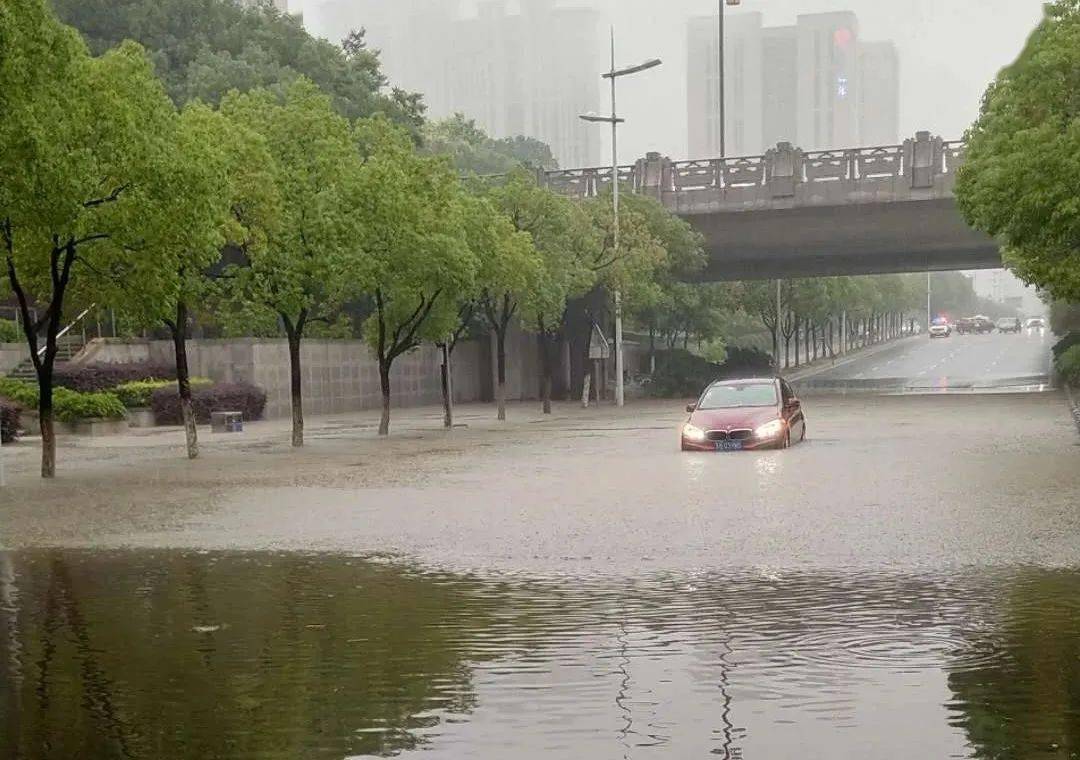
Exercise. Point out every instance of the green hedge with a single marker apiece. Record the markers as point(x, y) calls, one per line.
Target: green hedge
point(10, 331)
point(138, 393)
point(68, 405)
point(72, 406)
point(1068, 364)
point(23, 394)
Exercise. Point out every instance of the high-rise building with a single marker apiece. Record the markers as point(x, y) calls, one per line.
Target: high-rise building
point(803, 84)
point(779, 86)
point(879, 94)
point(743, 59)
point(828, 81)
point(531, 72)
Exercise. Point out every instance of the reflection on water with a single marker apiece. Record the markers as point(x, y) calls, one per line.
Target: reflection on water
point(188, 655)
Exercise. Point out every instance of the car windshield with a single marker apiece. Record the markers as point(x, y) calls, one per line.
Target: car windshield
point(732, 396)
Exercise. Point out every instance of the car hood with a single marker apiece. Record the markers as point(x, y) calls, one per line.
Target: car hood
point(734, 419)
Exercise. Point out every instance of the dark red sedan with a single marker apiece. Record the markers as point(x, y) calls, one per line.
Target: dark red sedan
point(736, 415)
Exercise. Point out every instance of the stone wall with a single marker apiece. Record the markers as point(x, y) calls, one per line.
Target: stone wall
point(338, 375)
point(11, 356)
point(342, 375)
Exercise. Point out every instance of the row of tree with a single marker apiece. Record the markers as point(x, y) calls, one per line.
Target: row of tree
point(273, 204)
point(812, 312)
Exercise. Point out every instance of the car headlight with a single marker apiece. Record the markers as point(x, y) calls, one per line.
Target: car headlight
point(770, 429)
point(692, 433)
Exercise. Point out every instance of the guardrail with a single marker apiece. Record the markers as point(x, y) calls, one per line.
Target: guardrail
point(922, 159)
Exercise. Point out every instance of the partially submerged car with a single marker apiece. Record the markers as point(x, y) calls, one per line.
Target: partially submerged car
point(736, 415)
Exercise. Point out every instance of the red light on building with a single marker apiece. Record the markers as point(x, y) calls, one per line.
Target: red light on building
point(842, 37)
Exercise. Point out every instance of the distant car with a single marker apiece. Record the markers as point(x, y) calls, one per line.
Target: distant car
point(940, 330)
point(1036, 323)
point(1008, 325)
point(979, 325)
point(736, 415)
point(965, 325)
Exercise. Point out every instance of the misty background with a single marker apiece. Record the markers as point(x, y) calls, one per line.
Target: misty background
point(949, 50)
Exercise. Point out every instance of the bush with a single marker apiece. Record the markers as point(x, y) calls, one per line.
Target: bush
point(68, 405)
point(103, 377)
point(1068, 365)
point(681, 374)
point(139, 392)
point(9, 420)
point(1063, 345)
point(72, 406)
point(237, 397)
point(23, 394)
point(10, 332)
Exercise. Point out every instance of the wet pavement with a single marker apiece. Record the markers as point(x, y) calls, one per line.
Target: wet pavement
point(904, 584)
point(993, 361)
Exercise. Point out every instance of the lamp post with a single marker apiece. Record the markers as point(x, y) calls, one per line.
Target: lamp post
point(720, 56)
point(615, 121)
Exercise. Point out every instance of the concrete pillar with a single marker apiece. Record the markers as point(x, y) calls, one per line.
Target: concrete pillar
point(653, 175)
point(783, 169)
point(922, 159)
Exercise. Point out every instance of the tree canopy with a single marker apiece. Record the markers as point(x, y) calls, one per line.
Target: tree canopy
point(204, 48)
point(472, 150)
point(1021, 180)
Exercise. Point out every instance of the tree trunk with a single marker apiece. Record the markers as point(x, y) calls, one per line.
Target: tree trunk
point(545, 371)
point(183, 379)
point(45, 421)
point(797, 359)
point(296, 389)
point(448, 407)
point(500, 370)
point(384, 380)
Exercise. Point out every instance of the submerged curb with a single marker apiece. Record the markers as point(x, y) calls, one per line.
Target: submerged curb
point(1074, 404)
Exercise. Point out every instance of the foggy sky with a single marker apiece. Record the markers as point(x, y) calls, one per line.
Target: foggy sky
point(949, 51)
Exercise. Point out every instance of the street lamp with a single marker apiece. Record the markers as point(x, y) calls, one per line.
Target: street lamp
point(615, 121)
point(720, 55)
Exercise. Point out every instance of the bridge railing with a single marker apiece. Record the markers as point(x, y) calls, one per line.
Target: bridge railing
point(921, 160)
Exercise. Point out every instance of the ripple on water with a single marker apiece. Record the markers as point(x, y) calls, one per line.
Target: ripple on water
point(276, 656)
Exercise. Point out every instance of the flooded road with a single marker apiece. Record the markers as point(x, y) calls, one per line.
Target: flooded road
point(208, 655)
point(906, 584)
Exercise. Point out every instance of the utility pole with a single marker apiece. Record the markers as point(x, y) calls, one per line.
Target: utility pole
point(614, 120)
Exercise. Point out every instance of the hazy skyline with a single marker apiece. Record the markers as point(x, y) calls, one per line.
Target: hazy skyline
point(949, 52)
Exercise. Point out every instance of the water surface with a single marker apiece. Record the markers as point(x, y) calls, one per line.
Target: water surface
point(229, 655)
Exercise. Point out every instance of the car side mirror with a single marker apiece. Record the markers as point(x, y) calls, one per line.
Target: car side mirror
point(691, 407)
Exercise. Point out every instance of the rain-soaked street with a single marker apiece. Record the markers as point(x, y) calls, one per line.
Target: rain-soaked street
point(904, 584)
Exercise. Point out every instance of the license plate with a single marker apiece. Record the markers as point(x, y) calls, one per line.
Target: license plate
point(729, 445)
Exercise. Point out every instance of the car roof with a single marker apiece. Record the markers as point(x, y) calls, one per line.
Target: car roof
point(744, 381)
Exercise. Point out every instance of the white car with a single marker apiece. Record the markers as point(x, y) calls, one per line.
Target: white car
point(1036, 324)
point(940, 331)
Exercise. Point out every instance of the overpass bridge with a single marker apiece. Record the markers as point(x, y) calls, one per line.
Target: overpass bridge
point(791, 213)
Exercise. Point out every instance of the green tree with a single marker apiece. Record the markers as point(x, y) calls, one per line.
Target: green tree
point(509, 270)
point(82, 145)
point(566, 243)
point(472, 150)
point(1021, 177)
point(217, 176)
point(299, 263)
point(205, 48)
point(413, 240)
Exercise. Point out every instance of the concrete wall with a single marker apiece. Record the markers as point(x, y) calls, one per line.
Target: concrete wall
point(115, 351)
point(342, 375)
point(338, 376)
point(12, 355)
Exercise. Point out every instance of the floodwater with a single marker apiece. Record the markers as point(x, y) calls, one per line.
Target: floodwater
point(179, 654)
